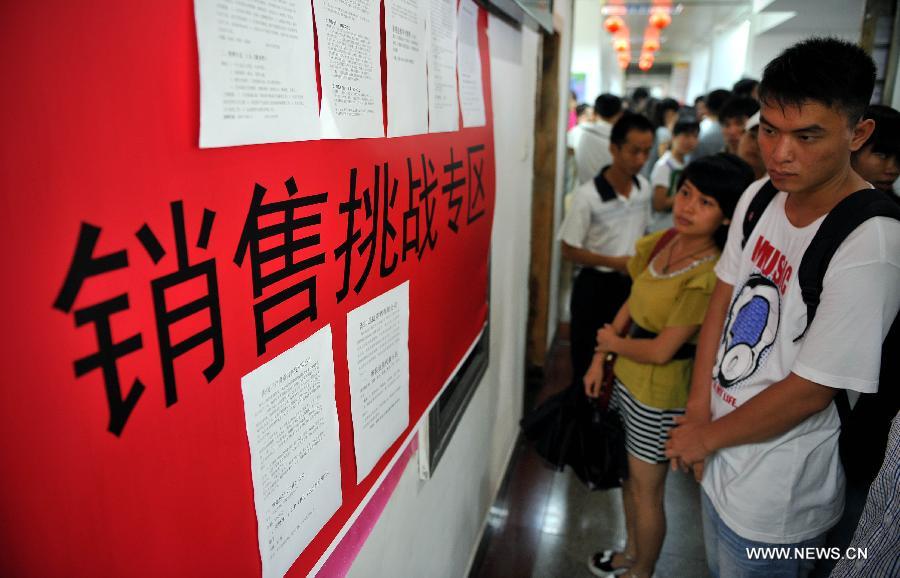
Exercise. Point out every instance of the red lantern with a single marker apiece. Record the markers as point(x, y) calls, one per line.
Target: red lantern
point(613, 24)
point(621, 44)
point(660, 19)
point(645, 62)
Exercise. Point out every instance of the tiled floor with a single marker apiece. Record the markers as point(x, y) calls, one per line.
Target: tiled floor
point(546, 524)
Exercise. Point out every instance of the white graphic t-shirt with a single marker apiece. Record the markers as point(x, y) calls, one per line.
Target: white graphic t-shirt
point(791, 488)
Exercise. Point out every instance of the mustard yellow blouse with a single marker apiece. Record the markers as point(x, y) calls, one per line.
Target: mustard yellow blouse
point(658, 301)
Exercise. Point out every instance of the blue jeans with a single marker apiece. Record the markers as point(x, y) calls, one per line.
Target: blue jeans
point(728, 556)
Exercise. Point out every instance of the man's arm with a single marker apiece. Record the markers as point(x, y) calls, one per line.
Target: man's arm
point(698, 405)
point(707, 345)
point(774, 411)
point(591, 259)
point(661, 199)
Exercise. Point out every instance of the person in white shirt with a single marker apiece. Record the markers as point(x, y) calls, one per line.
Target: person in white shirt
point(761, 412)
point(711, 139)
point(592, 149)
point(609, 213)
point(665, 113)
point(585, 116)
point(667, 171)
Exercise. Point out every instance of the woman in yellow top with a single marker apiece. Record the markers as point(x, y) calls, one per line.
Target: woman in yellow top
point(672, 280)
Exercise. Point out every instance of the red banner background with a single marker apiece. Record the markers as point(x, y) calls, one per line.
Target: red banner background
point(101, 115)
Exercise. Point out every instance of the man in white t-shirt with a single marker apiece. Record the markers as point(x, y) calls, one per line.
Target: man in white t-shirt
point(666, 172)
point(584, 114)
point(712, 140)
point(765, 424)
point(592, 149)
point(608, 214)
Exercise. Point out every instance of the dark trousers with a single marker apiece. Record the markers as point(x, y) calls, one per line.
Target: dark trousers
point(596, 298)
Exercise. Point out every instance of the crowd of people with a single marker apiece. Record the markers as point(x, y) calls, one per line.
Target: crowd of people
point(739, 260)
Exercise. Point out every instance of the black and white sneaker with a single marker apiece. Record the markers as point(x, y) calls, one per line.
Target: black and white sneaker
point(600, 564)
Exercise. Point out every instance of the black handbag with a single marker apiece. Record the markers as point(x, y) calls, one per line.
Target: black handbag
point(597, 455)
point(550, 426)
point(585, 434)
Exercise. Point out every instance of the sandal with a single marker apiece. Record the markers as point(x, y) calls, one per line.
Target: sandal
point(600, 564)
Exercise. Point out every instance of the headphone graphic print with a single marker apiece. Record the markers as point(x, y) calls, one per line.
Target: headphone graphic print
point(750, 330)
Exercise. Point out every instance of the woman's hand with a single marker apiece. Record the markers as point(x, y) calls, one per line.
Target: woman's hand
point(608, 339)
point(593, 379)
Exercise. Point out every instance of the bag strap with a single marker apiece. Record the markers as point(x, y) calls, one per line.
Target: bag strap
point(843, 219)
point(661, 244)
point(757, 207)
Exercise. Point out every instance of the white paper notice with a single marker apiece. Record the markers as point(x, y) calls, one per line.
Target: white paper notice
point(378, 358)
point(407, 81)
point(350, 64)
point(257, 72)
point(443, 107)
point(294, 454)
point(471, 95)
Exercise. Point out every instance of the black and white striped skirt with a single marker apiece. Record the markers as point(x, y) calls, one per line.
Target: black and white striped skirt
point(646, 428)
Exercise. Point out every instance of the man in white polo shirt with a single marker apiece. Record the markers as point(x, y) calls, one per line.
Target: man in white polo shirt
point(609, 213)
point(592, 150)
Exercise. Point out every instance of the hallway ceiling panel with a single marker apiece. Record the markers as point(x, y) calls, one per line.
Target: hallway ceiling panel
point(698, 20)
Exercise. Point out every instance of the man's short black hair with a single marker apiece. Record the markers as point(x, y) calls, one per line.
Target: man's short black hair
point(885, 139)
point(607, 105)
point(744, 87)
point(640, 93)
point(664, 105)
point(686, 125)
point(834, 72)
point(628, 122)
point(715, 100)
point(737, 107)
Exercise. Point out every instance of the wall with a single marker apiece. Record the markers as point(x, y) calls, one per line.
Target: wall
point(743, 48)
point(769, 45)
point(431, 528)
point(839, 18)
point(699, 74)
point(729, 53)
point(588, 36)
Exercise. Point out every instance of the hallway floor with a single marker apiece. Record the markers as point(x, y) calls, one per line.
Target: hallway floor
point(546, 524)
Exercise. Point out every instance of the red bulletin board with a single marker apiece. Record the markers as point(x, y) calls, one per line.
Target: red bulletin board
point(100, 168)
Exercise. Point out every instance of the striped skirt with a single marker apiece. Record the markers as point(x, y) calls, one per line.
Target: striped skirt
point(646, 428)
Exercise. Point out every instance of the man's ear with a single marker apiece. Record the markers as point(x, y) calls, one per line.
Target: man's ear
point(726, 221)
point(861, 133)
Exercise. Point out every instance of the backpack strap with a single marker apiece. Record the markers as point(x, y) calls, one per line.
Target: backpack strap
point(842, 220)
point(757, 207)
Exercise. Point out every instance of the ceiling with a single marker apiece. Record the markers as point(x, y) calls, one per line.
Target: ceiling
point(700, 19)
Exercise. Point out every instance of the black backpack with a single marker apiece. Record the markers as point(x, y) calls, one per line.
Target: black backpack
point(865, 427)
